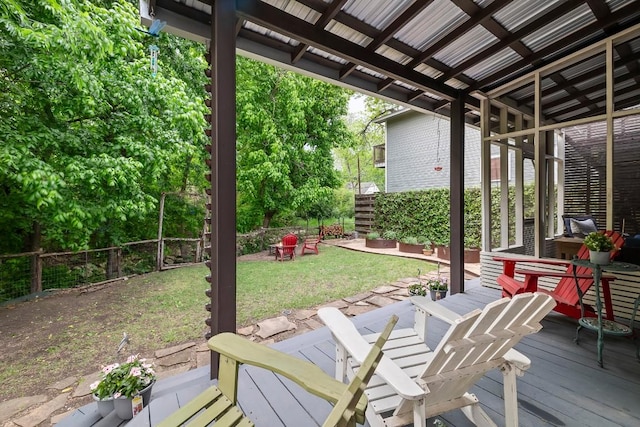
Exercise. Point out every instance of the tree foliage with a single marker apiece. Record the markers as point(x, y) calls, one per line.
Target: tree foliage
point(90, 137)
point(288, 125)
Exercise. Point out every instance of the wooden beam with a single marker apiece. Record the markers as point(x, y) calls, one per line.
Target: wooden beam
point(519, 182)
point(275, 19)
point(610, 142)
point(573, 58)
point(504, 182)
point(223, 172)
point(457, 194)
point(539, 159)
point(485, 172)
point(508, 39)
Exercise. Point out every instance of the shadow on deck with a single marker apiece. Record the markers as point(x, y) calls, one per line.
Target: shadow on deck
point(563, 387)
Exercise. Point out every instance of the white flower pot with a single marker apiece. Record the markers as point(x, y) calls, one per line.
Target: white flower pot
point(105, 406)
point(601, 258)
point(124, 406)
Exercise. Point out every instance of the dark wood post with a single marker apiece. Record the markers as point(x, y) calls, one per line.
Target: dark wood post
point(457, 194)
point(160, 251)
point(223, 172)
point(36, 272)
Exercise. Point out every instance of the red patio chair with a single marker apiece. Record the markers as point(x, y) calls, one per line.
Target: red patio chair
point(310, 244)
point(565, 292)
point(287, 248)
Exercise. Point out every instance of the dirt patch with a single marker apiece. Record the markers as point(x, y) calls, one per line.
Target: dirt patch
point(32, 333)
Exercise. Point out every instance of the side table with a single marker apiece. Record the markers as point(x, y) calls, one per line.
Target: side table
point(598, 324)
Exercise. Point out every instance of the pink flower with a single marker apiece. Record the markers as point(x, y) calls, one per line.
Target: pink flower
point(135, 372)
point(109, 368)
point(117, 395)
point(132, 358)
point(94, 386)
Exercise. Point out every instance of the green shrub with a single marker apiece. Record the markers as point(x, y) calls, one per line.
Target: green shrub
point(373, 235)
point(390, 235)
point(426, 213)
point(409, 240)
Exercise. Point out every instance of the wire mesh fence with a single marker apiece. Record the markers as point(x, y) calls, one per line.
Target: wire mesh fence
point(34, 272)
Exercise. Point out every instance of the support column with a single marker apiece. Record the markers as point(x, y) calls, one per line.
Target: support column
point(540, 175)
point(519, 182)
point(504, 179)
point(485, 172)
point(223, 172)
point(456, 227)
point(609, 149)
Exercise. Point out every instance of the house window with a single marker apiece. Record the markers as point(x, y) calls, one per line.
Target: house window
point(379, 160)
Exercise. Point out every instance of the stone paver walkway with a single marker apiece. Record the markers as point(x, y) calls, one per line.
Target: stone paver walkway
point(59, 400)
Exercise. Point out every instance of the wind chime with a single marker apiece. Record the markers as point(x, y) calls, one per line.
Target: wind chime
point(154, 59)
point(438, 166)
point(154, 31)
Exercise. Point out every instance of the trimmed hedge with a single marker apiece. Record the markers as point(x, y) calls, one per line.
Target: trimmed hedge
point(426, 214)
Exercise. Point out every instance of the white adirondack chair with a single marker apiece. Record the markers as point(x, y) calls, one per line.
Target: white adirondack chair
point(413, 383)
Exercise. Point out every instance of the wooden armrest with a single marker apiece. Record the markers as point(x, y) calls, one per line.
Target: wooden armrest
point(437, 310)
point(304, 373)
point(346, 334)
point(518, 359)
point(539, 273)
point(534, 260)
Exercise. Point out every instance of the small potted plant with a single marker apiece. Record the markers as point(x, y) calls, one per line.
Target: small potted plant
point(125, 388)
point(600, 246)
point(428, 245)
point(438, 287)
point(417, 289)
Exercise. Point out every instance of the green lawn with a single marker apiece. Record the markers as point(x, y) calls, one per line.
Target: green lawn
point(77, 332)
point(265, 288)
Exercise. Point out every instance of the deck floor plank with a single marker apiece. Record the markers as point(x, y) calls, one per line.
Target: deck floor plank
point(563, 387)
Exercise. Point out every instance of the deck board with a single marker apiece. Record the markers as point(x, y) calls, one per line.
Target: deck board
point(563, 387)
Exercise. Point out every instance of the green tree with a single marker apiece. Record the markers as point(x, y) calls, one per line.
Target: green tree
point(90, 137)
point(288, 126)
point(356, 161)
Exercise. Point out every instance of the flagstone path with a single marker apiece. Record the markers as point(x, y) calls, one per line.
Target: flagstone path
point(60, 399)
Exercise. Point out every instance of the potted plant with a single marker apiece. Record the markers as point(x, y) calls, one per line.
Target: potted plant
point(428, 246)
point(417, 289)
point(600, 246)
point(438, 287)
point(387, 241)
point(410, 244)
point(125, 388)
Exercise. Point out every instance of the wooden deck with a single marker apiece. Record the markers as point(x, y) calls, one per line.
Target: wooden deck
point(564, 387)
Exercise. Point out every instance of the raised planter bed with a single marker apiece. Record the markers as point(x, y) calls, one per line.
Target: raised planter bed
point(409, 248)
point(471, 256)
point(443, 252)
point(381, 243)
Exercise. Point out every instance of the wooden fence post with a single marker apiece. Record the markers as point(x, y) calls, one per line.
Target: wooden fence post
point(36, 273)
point(160, 216)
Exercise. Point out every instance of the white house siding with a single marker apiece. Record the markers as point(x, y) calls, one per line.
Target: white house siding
point(412, 153)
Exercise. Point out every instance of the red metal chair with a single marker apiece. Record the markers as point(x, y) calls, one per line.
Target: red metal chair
point(566, 292)
point(310, 244)
point(287, 248)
